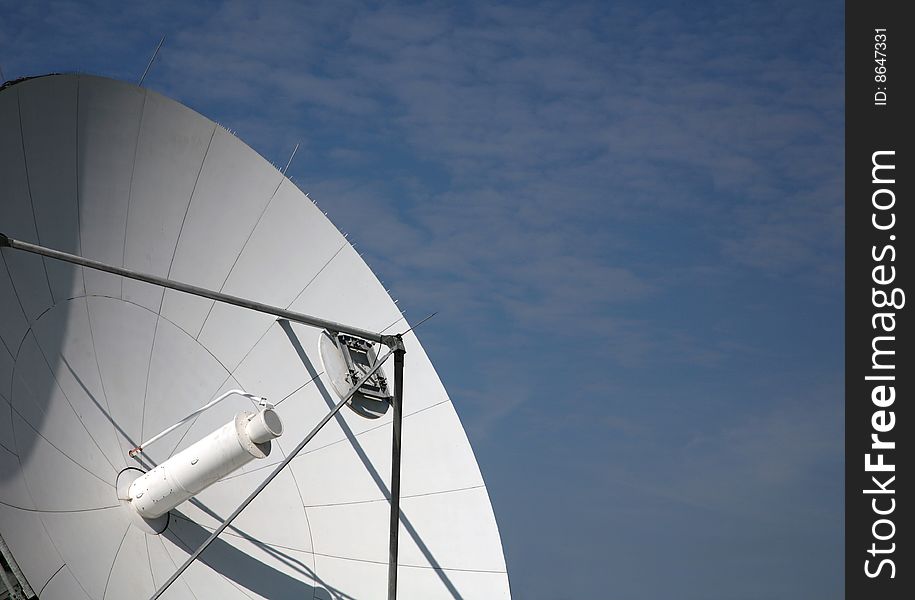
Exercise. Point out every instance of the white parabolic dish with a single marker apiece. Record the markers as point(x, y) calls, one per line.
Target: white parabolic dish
point(92, 364)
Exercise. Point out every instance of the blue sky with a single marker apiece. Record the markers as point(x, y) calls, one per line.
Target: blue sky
point(630, 219)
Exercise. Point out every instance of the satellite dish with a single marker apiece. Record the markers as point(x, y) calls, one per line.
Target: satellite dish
point(93, 365)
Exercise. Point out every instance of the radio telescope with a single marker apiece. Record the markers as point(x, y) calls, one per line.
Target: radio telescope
point(177, 322)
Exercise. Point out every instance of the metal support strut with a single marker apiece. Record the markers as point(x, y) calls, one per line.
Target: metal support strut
point(387, 340)
point(397, 405)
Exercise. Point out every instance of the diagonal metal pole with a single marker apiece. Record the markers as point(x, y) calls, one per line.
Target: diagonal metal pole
point(269, 478)
point(387, 340)
point(155, 54)
point(397, 405)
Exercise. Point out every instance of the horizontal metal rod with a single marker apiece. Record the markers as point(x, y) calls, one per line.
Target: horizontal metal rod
point(272, 475)
point(387, 340)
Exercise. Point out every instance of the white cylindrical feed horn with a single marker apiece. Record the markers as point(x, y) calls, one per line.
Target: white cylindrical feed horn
point(199, 466)
point(264, 426)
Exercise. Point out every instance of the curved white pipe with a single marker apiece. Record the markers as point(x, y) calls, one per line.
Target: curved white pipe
point(133, 452)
